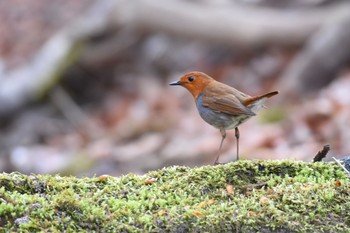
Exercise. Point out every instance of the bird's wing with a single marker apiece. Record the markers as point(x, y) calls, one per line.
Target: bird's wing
point(223, 99)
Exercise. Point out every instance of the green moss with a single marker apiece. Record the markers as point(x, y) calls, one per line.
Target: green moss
point(267, 196)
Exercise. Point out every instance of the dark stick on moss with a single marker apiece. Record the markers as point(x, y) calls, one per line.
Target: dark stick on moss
point(322, 153)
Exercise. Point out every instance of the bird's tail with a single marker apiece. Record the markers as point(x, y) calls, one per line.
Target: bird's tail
point(259, 97)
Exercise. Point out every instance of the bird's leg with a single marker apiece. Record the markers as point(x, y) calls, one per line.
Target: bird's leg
point(237, 137)
point(223, 134)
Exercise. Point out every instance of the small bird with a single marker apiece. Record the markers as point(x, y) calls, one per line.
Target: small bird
point(220, 105)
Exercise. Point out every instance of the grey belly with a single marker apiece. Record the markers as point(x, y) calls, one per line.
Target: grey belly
point(219, 119)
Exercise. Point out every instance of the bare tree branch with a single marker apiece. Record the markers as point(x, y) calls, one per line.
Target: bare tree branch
point(236, 25)
point(318, 63)
point(26, 83)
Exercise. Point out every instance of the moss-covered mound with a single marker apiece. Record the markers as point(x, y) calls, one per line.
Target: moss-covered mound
point(245, 196)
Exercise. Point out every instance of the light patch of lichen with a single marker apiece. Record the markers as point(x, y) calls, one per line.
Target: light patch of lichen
point(269, 196)
point(272, 115)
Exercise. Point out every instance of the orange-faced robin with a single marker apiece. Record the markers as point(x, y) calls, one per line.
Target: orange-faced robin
point(220, 105)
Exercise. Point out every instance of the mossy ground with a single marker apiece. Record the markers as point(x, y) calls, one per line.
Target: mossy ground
point(245, 196)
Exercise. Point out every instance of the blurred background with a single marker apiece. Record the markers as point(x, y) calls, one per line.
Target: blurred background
point(84, 84)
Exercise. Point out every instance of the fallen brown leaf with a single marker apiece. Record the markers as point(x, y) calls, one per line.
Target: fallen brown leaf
point(198, 213)
point(150, 180)
point(264, 200)
point(229, 189)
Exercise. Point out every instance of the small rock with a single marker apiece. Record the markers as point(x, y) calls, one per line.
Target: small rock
point(20, 221)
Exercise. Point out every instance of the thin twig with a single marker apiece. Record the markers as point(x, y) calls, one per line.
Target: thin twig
point(341, 165)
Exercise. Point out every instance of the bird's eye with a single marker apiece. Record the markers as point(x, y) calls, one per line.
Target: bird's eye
point(191, 78)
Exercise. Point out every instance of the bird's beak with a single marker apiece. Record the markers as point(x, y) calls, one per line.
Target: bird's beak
point(176, 83)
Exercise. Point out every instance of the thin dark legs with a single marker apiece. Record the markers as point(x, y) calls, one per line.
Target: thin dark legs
point(237, 137)
point(223, 134)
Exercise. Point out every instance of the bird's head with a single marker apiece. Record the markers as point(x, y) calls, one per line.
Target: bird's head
point(195, 82)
